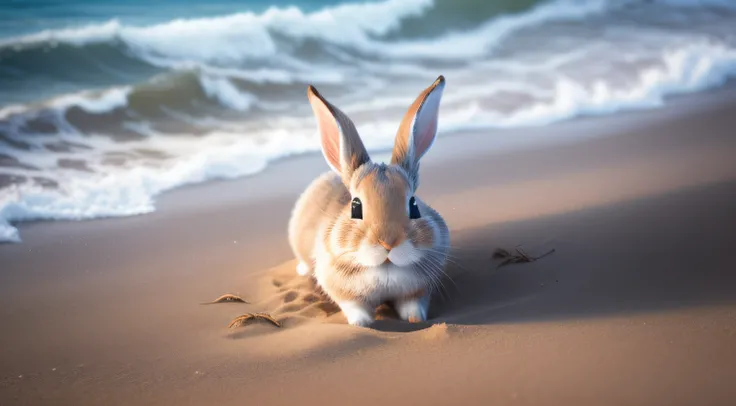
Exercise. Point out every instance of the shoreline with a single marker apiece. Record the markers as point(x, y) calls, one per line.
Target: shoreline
point(505, 140)
point(636, 306)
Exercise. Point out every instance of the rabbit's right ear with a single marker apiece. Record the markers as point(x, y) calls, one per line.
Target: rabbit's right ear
point(418, 129)
point(341, 145)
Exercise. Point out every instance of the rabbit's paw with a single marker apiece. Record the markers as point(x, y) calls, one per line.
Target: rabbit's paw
point(413, 310)
point(358, 314)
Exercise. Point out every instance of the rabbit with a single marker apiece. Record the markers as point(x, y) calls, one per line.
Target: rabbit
point(359, 229)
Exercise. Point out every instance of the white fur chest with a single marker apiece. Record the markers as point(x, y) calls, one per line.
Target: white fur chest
point(375, 284)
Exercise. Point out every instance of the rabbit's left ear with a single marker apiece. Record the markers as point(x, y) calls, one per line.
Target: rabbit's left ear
point(341, 145)
point(418, 129)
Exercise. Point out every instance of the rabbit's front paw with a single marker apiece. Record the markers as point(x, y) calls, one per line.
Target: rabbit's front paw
point(413, 310)
point(358, 314)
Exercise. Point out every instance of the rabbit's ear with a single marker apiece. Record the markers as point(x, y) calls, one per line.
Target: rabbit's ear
point(418, 129)
point(341, 145)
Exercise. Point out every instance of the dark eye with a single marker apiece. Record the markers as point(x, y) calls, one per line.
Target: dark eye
point(413, 209)
point(356, 209)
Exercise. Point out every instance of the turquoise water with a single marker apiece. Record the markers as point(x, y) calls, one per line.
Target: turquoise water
point(18, 17)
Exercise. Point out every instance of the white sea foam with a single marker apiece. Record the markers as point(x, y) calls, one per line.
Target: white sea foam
point(131, 191)
point(96, 102)
point(93, 102)
point(225, 92)
point(687, 69)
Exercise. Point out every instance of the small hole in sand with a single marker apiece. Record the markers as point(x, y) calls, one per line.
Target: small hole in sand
point(328, 307)
point(290, 308)
point(291, 296)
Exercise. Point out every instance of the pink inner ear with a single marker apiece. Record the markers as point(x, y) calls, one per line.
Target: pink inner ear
point(425, 126)
point(425, 137)
point(329, 133)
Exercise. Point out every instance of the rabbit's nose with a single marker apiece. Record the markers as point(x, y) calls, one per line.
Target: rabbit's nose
point(388, 245)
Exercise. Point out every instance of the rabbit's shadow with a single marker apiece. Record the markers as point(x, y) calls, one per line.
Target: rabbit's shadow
point(607, 262)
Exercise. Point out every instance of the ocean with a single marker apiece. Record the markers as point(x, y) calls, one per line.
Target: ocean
point(104, 105)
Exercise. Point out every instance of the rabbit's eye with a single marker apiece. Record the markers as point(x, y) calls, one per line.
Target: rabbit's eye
point(356, 209)
point(413, 209)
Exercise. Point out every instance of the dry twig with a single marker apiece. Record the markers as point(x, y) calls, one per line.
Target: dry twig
point(520, 257)
point(244, 319)
point(227, 298)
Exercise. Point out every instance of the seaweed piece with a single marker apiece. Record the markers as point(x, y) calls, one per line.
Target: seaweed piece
point(247, 317)
point(520, 257)
point(227, 298)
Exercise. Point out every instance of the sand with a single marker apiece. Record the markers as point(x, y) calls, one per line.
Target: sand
point(637, 306)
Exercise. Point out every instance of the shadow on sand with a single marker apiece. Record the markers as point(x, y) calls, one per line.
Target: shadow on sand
point(653, 254)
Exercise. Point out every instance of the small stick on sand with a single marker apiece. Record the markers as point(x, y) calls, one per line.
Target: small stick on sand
point(521, 256)
point(227, 298)
point(523, 253)
point(244, 319)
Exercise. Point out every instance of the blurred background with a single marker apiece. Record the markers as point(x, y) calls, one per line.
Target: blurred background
point(105, 104)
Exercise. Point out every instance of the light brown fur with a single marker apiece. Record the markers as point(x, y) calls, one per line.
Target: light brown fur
point(382, 201)
point(352, 258)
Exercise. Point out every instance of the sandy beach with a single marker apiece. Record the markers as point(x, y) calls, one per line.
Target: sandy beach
point(636, 306)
